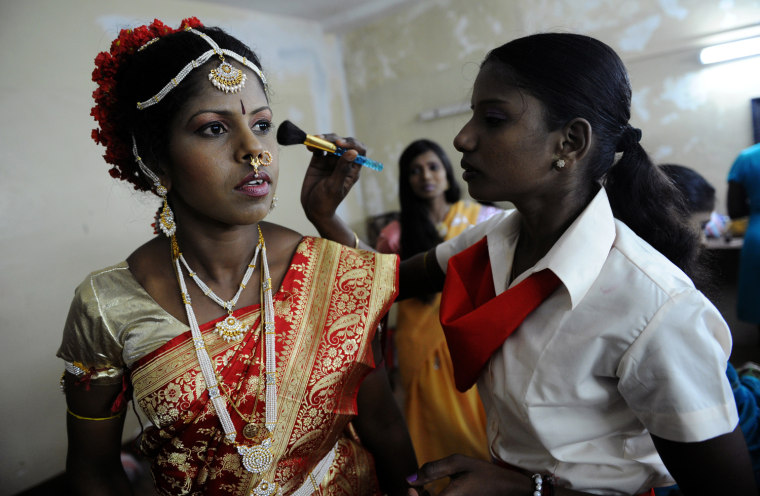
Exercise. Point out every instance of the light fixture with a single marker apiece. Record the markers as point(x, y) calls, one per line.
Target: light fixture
point(729, 51)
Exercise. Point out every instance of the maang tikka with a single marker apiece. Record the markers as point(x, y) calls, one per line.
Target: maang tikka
point(165, 217)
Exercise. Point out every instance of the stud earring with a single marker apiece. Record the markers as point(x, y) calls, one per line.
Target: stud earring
point(559, 163)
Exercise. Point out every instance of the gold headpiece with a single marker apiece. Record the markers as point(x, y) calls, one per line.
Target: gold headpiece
point(226, 77)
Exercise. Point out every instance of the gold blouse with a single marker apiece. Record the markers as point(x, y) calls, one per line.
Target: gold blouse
point(112, 323)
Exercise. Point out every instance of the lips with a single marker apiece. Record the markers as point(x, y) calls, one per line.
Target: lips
point(255, 186)
point(469, 172)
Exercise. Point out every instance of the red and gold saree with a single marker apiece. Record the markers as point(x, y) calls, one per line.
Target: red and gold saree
point(326, 313)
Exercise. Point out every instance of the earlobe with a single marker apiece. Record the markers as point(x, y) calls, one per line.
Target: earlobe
point(577, 139)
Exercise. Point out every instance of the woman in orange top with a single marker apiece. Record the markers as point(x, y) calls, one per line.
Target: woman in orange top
point(441, 420)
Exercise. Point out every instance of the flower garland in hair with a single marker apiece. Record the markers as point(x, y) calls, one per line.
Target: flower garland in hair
point(118, 152)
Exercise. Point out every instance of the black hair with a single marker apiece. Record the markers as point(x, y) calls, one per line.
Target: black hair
point(578, 76)
point(698, 193)
point(147, 71)
point(418, 233)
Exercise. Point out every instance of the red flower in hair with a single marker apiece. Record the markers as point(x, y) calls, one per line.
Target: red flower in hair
point(118, 153)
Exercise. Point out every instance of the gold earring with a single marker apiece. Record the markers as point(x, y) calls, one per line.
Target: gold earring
point(165, 217)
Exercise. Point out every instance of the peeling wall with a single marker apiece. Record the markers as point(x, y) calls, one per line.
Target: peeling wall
point(426, 55)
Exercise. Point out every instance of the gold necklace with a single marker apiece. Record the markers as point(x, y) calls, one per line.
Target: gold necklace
point(259, 457)
point(229, 328)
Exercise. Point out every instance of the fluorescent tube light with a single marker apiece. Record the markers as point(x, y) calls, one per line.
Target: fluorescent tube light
point(729, 51)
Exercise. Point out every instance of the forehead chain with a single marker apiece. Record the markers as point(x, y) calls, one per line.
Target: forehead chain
point(226, 77)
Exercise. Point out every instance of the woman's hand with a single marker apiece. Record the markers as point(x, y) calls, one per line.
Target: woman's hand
point(327, 182)
point(470, 476)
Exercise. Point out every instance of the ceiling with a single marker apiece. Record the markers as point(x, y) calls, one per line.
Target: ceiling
point(331, 14)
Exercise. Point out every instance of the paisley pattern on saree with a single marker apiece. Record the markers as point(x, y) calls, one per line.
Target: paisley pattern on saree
point(326, 313)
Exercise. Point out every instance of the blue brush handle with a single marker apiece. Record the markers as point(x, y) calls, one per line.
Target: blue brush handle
point(361, 160)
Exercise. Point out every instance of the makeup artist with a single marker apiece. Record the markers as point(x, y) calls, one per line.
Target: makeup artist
point(247, 346)
point(600, 366)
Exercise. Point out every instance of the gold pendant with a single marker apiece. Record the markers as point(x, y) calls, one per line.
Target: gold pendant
point(230, 329)
point(227, 78)
point(251, 431)
point(264, 488)
point(257, 459)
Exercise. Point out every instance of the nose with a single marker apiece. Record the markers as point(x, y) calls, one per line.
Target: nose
point(464, 140)
point(249, 147)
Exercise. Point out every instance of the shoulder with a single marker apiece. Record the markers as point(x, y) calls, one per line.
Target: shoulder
point(636, 255)
point(87, 292)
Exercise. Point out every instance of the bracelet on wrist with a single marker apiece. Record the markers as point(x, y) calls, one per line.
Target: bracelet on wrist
point(543, 485)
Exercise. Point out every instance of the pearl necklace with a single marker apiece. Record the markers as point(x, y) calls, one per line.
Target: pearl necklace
point(258, 458)
point(229, 329)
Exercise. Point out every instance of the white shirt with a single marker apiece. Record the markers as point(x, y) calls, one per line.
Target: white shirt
point(626, 346)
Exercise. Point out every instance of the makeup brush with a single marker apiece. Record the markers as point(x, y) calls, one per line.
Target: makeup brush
point(290, 134)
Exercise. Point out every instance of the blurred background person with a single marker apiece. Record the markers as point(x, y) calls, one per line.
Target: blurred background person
point(442, 421)
point(744, 201)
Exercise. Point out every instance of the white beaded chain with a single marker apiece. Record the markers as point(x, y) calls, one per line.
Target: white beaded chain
point(207, 368)
point(227, 305)
point(251, 456)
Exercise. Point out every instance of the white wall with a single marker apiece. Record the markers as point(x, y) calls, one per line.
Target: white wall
point(64, 216)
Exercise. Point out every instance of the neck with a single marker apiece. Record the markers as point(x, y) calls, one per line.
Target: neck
point(542, 223)
point(437, 209)
point(219, 256)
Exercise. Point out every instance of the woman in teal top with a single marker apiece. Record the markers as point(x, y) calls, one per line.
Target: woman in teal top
point(744, 200)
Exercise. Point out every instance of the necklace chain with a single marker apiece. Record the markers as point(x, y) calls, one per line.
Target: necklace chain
point(257, 458)
point(230, 328)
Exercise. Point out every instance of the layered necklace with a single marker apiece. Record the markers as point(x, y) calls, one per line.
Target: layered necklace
point(257, 458)
point(230, 328)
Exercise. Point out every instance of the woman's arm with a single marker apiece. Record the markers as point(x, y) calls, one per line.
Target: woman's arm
point(737, 200)
point(327, 182)
point(93, 460)
point(720, 465)
point(472, 476)
point(382, 430)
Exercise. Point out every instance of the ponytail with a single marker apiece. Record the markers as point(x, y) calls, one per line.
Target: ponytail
point(648, 202)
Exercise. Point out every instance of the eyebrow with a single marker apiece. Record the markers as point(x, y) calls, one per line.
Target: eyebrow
point(227, 112)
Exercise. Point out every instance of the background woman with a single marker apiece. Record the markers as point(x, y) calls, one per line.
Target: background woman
point(441, 420)
point(254, 373)
point(744, 201)
point(600, 366)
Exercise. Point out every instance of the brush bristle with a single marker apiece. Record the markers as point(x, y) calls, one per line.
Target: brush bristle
point(290, 134)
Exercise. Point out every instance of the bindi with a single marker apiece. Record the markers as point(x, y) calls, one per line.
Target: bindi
point(242, 107)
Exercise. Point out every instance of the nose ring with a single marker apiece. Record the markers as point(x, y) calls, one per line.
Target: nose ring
point(264, 158)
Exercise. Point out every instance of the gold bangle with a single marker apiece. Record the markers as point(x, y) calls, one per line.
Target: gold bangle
point(356, 240)
point(92, 418)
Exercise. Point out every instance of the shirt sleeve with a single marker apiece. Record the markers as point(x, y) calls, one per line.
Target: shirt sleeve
point(674, 375)
point(88, 348)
